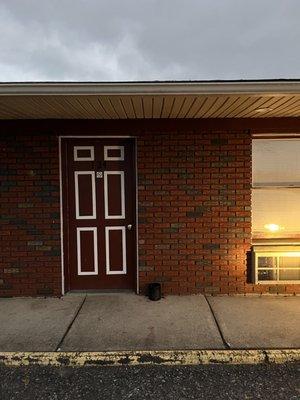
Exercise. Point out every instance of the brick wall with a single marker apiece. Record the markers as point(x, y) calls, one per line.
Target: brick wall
point(29, 216)
point(194, 212)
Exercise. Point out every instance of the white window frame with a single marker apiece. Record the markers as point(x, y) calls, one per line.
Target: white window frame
point(271, 251)
point(273, 247)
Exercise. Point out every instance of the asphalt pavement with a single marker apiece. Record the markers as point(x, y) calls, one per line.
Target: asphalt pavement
point(207, 382)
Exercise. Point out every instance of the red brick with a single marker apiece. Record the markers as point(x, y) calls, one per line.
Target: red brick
point(194, 209)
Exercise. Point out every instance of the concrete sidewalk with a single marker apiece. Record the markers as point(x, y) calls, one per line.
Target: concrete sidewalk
point(111, 322)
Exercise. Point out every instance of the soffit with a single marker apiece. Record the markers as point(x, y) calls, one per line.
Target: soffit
point(150, 100)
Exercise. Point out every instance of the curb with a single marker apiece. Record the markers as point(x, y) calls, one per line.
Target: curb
point(157, 357)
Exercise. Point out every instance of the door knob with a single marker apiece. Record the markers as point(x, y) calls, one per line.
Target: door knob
point(129, 227)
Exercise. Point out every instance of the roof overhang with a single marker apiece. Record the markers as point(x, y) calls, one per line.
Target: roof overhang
point(136, 100)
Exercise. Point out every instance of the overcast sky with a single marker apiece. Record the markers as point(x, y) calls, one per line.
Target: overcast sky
point(109, 40)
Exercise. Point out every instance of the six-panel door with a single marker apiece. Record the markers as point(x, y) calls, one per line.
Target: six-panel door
point(99, 208)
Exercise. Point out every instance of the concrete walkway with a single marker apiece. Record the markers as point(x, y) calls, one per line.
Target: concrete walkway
point(35, 324)
point(130, 322)
point(258, 322)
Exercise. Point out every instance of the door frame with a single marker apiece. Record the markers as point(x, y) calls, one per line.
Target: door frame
point(61, 200)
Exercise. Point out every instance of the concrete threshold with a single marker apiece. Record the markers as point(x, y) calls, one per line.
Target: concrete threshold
point(157, 357)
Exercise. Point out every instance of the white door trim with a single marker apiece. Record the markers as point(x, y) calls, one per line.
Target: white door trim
point(60, 137)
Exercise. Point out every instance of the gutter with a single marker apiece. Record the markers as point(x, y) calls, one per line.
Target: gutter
point(274, 88)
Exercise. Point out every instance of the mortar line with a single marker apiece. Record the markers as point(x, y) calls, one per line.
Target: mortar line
point(226, 344)
point(70, 324)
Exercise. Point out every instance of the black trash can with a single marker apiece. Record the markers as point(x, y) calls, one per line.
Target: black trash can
point(154, 291)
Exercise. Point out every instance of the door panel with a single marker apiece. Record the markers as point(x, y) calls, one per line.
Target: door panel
point(87, 254)
point(85, 194)
point(115, 244)
point(114, 195)
point(99, 208)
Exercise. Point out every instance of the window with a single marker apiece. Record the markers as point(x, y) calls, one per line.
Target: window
point(276, 210)
point(279, 264)
point(276, 189)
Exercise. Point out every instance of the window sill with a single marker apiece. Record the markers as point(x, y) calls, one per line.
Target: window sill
point(278, 283)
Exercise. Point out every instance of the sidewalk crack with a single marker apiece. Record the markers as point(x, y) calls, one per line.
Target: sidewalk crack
point(226, 344)
point(70, 324)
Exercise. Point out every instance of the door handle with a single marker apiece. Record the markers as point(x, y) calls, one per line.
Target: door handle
point(129, 227)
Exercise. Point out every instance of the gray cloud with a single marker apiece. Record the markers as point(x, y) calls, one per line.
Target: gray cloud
point(149, 39)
